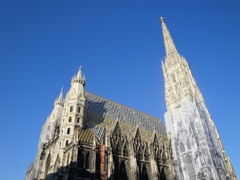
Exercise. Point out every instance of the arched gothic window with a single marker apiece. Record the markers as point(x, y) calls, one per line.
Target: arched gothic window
point(97, 165)
point(87, 160)
point(66, 142)
point(79, 109)
point(123, 172)
point(144, 173)
point(70, 119)
point(162, 174)
point(80, 159)
point(68, 131)
point(78, 119)
point(71, 109)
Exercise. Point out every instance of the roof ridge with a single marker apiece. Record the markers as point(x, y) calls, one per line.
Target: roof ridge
point(125, 106)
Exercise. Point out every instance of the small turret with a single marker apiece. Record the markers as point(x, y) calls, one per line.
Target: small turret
point(78, 83)
point(79, 78)
point(59, 100)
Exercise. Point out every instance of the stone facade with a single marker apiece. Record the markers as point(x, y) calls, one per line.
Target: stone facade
point(89, 137)
point(197, 149)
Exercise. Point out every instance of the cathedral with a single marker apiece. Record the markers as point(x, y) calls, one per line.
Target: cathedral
point(90, 137)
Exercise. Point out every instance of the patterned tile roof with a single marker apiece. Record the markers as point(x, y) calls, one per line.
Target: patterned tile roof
point(103, 114)
point(86, 136)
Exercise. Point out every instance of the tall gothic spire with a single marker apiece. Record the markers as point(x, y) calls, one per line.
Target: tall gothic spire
point(168, 42)
point(179, 82)
point(188, 121)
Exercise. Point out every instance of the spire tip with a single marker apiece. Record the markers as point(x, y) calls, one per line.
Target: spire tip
point(162, 19)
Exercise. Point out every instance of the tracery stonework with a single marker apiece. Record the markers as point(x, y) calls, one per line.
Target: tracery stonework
point(197, 149)
point(89, 137)
point(135, 144)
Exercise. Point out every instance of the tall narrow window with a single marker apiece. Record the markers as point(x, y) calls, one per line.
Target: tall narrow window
point(68, 131)
point(66, 142)
point(80, 159)
point(70, 119)
point(71, 109)
point(78, 119)
point(87, 159)
point(79, 108)
point(97, 162)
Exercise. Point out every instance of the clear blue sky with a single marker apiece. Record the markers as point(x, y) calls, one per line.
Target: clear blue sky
point(119, 44)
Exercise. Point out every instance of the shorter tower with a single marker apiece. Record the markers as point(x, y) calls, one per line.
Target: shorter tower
point(197, 149)
point(73, 113)
point(47, 133)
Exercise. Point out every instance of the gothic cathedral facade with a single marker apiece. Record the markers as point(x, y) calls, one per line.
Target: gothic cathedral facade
point(90, 137)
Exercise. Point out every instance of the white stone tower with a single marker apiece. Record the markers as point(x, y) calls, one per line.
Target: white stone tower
point(197, 149)
point(60, 129)
point(48, 130)
point(73, 113)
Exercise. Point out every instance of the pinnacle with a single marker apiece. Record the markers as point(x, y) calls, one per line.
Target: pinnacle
point(79, 74)
point(59, 100)
point(79, 78)
point(162, 19)
point(168, 41)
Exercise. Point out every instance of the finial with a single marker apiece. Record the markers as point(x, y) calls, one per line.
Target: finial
point(117, 116)
point(80, 72)
point(162, 19)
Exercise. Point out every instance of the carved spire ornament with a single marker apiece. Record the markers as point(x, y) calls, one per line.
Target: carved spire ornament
point(197, 149)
